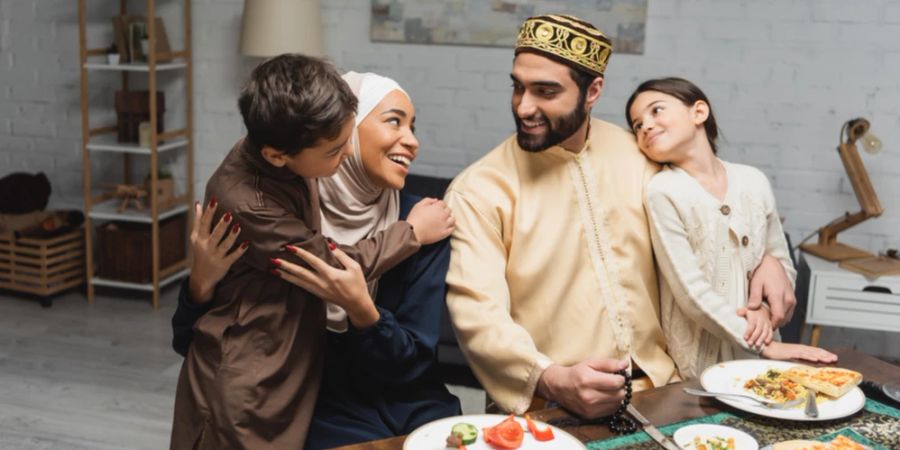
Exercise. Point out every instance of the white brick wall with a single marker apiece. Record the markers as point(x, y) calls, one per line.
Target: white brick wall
point(782, 76)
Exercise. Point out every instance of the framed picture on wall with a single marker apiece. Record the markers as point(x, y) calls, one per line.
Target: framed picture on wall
point(496, 23)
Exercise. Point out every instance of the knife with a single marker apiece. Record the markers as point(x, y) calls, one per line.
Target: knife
point(812, 410)
point(652, 431)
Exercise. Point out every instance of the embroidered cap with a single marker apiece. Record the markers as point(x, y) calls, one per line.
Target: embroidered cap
point(566, 39)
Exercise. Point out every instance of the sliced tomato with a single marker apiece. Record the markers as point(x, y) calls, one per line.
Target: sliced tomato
point(541, 435)
point(505, 435)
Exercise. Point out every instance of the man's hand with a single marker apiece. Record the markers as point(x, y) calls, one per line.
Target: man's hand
point(344, 287)
point(212, 251)
point(589, 389)
point(771, 282)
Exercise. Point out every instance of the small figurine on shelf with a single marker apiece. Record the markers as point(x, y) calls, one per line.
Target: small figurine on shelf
point(112, 54)
point(132, 193)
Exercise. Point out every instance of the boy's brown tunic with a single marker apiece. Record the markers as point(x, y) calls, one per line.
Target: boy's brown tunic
point(252, 373)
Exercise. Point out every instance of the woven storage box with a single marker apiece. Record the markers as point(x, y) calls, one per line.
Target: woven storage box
point(124, 249)
point(132, 108)
point(42, 266)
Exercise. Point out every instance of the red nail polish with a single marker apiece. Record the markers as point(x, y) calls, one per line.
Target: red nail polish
point(275, 261)
point(275, 272)
point(290, 248)
point(213, 202)
point(235, 228)
point(331, 246)
point(245, 244)
point(227, 217)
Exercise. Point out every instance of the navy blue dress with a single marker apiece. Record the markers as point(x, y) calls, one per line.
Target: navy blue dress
point(381, 381)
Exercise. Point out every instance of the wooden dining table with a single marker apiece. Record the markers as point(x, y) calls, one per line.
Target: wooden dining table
point(669, 404)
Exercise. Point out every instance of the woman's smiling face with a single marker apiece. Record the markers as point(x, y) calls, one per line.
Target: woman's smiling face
point(387, 142)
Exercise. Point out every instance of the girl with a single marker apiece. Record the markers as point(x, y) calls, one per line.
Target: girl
point(711, 222)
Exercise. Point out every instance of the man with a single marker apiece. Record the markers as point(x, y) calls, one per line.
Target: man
point(552, 282)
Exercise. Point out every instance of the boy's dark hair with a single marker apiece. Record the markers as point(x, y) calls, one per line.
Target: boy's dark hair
point(292, 101)
point(683, 90)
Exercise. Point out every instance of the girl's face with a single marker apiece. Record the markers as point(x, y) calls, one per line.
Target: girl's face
point(667, 130)
point(386, 141)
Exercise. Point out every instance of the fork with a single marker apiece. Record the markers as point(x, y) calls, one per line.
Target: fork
point(764, 402)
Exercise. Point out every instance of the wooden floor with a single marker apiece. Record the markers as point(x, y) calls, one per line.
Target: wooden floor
point(79, 376)
point(95, 377)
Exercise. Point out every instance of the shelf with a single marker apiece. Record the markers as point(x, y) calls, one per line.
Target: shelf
point(107, 143)
point(96, 281)
point(103, 207)
point(107, 211)
point(134, 67)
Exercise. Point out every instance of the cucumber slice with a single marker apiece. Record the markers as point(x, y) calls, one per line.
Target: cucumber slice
point(465, 431)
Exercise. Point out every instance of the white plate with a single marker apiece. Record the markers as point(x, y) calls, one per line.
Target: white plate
point(730, 376)
point(684, 436)
point(433, 435)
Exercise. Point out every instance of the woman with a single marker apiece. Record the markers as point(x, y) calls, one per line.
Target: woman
point(380, 376)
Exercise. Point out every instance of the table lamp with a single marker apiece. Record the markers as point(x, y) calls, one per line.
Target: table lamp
point(827, 247)
point(273, 27)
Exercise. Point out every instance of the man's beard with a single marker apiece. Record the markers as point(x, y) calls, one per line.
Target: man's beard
point(557, 132)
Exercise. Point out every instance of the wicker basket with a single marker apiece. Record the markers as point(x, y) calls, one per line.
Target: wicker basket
point(124, 249)
point(42, 266)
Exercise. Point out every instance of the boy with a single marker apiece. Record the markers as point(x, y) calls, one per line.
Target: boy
point(252, 373)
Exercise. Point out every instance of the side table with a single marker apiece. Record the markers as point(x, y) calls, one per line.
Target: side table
point(841, 298)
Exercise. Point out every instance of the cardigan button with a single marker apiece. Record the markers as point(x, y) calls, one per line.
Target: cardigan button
point(725, 209)
point(745, 241)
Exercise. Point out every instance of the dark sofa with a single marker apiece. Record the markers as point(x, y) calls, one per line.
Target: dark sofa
point(453, 365)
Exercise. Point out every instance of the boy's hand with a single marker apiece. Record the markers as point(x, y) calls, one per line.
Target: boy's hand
point(344, 287)
point(431, 220)
point(759, 327)
point(783, 351)
point(212, 251)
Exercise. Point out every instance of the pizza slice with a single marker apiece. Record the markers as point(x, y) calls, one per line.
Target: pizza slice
point(838, 443)
point(831, 381)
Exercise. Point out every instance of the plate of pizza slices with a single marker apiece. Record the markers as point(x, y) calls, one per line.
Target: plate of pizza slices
point(837, 393)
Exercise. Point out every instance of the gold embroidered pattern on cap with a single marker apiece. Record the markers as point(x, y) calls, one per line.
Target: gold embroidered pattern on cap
point(567, 38)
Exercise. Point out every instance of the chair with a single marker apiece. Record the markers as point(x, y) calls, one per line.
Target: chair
point(793, 331)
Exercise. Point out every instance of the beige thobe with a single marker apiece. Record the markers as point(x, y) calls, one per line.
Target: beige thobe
point(551, 263)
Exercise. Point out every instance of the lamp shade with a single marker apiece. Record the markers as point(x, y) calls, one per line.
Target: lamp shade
point(273, 27)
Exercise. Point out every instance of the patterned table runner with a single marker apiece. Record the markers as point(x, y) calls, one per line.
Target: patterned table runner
point(877, 425)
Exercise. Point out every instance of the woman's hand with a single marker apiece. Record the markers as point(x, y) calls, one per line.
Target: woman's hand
point(783, 351)
point(431, 220)
point(759, 327)
point(212, 251)
point(343, 287)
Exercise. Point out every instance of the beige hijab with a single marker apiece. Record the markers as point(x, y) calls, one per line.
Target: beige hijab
point(353, 207)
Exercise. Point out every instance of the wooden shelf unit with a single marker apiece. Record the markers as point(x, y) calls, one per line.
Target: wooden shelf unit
point(102, 140)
